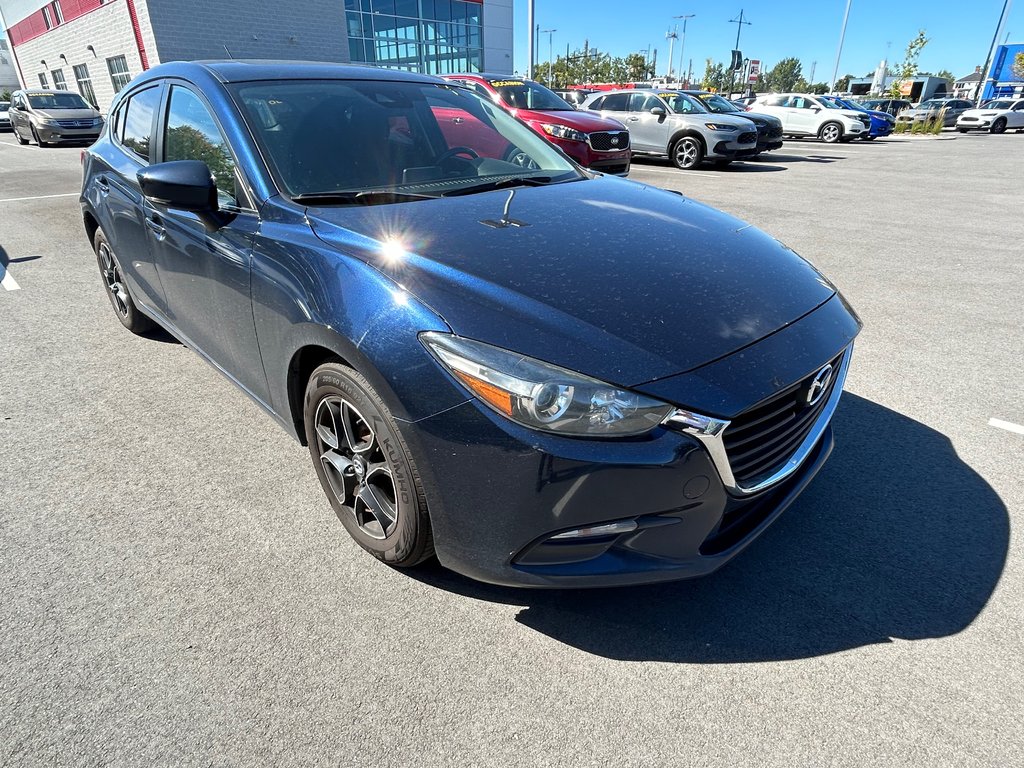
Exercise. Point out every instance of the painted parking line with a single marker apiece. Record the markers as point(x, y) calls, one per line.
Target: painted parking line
point(677, 174)
point(37, 197)
point(1008, 426)
point(7, 281)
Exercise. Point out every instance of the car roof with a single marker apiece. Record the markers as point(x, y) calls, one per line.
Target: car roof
point(244, 70)
point(42, 91)
point(490, 77)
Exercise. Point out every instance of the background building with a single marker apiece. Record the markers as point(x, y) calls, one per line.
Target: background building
point(967, 87)
point(96, 47)
point(8, 74)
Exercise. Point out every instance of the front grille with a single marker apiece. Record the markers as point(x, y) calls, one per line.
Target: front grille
point(760, 441)
point(748, 138)
point(75, 123)
point(609, 141)
point(866, 120)
point(775, 132)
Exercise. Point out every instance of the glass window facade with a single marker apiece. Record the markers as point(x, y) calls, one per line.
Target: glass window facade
point(437, 37)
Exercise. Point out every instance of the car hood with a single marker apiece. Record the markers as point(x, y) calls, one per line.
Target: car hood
point(983, 112)
point(608, 277)
point(581, 121)
point(759, 119)
point(68, 114)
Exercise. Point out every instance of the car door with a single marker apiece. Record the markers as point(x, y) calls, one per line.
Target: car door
point(206, 273)
point(779, 106)
point(19, 119)
point(118, 199)
point(803, 114)
point(647, 131)
point(1015, 117)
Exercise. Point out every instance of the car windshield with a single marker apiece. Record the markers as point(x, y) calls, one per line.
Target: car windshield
point(682, 104)
point(932, 104)
point(998, 105)
point(717, 104)
point(57, 101)
point(392, 140)
point(830, 105)
point(520, 94)
point(4, 105)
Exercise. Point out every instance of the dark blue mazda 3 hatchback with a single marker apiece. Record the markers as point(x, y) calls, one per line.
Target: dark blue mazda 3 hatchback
point(544, 376)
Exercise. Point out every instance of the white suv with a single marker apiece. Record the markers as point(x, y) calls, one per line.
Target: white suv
point(804, 114)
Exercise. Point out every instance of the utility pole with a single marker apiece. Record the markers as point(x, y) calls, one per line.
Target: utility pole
point(739, 21)
point(983, 84)
point(814, 66)
point(682, 44)
point(839, 50)
point(531, 42)
point(671, 36)
point(551, 57)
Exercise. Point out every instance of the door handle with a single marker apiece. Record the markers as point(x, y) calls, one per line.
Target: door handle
point(156, 226)
point(632, 119)
point(101, 182)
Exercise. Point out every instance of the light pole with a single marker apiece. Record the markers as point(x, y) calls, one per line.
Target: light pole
point(551, 47)
point(682, 44)
point(671, 36)
point(530, 41)
point(739, 21)
point(983, 83)
point(839, 51)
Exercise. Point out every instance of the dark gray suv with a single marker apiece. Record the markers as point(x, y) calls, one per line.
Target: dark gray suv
point(52, 117)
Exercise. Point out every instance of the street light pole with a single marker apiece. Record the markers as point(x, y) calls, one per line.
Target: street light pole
point(839, 51)
point(739, 22)
point(530, 40)
point(682, 44)
point(671, 36)
point(551, 47)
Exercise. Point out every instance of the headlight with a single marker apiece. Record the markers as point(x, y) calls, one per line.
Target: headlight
point(47, 121)
point(563, 132)
point(543, 396)
point(721, 127)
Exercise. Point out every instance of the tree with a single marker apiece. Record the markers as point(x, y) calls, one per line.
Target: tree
point(945, 74)
point(783, 76)
point(5, 96)
point(907, 68)
point(1018, 66)
point(715, 76)
point(843, 83)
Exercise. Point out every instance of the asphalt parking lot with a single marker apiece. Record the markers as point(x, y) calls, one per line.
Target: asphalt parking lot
point(175, 589)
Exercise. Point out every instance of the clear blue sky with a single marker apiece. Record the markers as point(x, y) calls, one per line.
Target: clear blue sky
point(960, 32)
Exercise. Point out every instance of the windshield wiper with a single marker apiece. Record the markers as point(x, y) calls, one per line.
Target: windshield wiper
point(488, 186)
point(361, 197)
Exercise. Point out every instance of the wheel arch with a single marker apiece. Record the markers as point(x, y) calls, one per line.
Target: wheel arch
point(682, 133)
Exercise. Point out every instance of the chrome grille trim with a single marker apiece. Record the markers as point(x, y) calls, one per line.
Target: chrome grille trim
point(600, 141)
point(711, 438)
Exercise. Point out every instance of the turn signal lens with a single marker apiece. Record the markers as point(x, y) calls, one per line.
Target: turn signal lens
point(544, 396)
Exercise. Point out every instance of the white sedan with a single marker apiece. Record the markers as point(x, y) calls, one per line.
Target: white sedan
point(996, 116)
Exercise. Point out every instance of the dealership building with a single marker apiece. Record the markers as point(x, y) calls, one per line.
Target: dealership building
point(95, 47)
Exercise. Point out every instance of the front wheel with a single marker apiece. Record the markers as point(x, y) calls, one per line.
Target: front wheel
point(365, 467)
point(999, 126)
point(21, 140)
point(831, 133)
point(37, 140)
point(962, 130)
point(687, 153)
point(117, 290)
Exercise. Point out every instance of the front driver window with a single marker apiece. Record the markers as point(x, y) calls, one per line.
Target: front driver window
point(192, 134)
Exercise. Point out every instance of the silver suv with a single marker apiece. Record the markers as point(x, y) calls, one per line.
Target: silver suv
point(677, 125)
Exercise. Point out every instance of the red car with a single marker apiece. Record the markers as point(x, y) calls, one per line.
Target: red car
point(595, 142)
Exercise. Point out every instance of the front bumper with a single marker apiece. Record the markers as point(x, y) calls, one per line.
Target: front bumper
point(616, 163)
point(974, 123)
point(55, 134)
point(731, 145)
point(497, 492)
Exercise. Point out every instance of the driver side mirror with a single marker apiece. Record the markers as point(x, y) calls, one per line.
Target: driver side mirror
point(186, 185)
point(815, 109)
point(659, 111)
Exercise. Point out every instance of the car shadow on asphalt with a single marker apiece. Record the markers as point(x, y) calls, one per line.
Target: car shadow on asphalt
point(898, 538)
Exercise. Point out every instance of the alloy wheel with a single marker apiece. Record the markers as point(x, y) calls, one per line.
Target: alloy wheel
point(830, 133)
point(112, 279)
point(687, 152)
point(357, 469)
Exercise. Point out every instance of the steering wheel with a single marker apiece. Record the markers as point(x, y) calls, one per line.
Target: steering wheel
point(456, 151)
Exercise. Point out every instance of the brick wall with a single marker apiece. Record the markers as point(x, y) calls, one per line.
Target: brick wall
point(107, 29)
point(248, 29)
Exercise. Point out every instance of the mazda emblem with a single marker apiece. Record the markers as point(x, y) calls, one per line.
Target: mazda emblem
point(819, 385)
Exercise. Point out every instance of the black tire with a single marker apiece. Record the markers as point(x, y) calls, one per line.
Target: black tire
point(117, 289)
point(687, 152)
point(21, 140)
point(36, 139)
point(962, 130)
point(831, 132)
point(999, 126)
point(366, 463)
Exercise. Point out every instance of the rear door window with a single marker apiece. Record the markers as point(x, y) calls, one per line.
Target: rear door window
point(617, 102)
point(137, 131)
